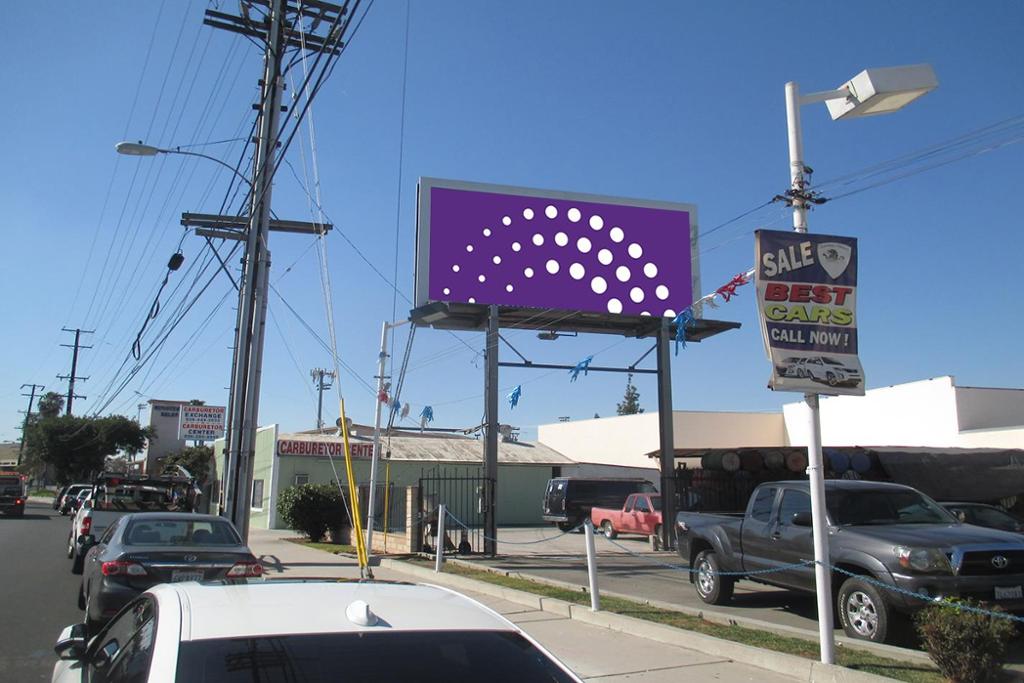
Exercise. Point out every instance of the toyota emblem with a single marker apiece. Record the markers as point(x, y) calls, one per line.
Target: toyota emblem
point(1000, 562)
point(193, 558)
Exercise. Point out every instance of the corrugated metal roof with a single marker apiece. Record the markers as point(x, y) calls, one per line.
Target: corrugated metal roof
point(449, 450)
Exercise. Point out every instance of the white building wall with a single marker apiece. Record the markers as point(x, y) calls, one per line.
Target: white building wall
point(989, 408)
point(1011, 437)
point(626, 440)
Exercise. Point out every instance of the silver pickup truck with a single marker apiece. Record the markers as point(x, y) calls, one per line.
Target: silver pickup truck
point(890, 533)
point(114, 495)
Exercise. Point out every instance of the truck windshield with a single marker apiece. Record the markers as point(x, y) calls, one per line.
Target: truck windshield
point(881, 506)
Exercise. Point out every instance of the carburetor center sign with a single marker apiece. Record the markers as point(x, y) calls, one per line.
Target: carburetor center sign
point(201, 423)
point(807, 305)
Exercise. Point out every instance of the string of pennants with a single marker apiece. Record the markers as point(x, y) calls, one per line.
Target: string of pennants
point(684, 320)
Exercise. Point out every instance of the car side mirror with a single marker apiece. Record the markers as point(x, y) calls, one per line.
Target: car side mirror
point(802, 519)
point(72, 642)
point(87, 542)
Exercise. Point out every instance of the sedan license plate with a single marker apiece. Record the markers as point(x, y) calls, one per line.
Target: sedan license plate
point(1010, 593)
point(198, 576)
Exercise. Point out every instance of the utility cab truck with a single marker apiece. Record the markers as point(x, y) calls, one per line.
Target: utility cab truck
point(13, 493)
point(116, 494)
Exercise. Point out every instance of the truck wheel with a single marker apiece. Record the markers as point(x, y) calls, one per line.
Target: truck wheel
point(565, 526)
point(863, 612)
point(712, 587)
point(609, 532)
point(656, 539)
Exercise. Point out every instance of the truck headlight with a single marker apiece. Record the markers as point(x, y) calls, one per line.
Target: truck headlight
point(923, 560)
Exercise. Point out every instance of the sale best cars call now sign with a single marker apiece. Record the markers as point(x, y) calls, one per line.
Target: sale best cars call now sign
point(201, 423)
point(807, 305)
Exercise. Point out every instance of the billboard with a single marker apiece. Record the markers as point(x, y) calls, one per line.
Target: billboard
point(807, 306)
point(201, 423)
point(510, 246)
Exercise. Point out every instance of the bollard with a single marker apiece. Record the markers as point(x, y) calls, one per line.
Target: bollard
point(439, 560)
point(595, 598)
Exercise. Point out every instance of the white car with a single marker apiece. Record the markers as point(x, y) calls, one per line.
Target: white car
point(308, 631)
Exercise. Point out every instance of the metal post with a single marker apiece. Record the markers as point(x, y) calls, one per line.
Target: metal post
point(667, 436)
point(491, 442)
point(252, 315)
point(815, 468)
point(375, 458)
point(442, 512)
point(595, 597)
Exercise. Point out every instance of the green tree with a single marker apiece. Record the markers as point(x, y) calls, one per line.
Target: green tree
point(195, 459)
point(50, 405)
point(77, 447)
point(313, 509)
point(631, 400)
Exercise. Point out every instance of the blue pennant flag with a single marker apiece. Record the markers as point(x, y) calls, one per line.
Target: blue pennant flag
point(396, 405)
point(583, 366)
point(682, 321)
point(426, 415)
point(513, 398)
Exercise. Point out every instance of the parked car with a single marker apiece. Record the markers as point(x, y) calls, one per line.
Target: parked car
point(114, 495)
point(143, 549)
point(310, 631)
point(75, 504)
point(13, 493)
point(889, 533)
point(569, 500)
point(68, 495)
point(640, 514)
point(980, 514)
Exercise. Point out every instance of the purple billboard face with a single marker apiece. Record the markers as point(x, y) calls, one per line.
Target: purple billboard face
point(550, 250)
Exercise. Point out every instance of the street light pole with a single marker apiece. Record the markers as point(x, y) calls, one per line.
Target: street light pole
point(871, 92)
point(375, 459)
point(815, 467)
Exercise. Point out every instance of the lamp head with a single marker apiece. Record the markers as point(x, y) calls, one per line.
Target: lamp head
point(136, 149)
point(882, 91)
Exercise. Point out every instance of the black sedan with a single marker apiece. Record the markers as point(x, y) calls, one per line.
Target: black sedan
point(143, 549)
point(980, 514)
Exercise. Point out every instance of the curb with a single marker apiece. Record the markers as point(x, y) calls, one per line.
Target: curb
point(777, 662)
point(716, 617)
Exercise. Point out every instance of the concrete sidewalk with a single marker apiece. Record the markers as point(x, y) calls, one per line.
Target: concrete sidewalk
point(592, 651)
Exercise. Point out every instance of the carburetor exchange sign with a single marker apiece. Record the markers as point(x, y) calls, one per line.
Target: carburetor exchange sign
point(807, 306)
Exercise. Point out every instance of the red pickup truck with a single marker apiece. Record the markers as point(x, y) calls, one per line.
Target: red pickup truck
point(640, 514)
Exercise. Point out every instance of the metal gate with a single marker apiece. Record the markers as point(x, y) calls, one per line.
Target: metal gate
point(463, 491)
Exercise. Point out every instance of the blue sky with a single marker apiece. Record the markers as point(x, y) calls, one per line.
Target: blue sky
point(676, 101)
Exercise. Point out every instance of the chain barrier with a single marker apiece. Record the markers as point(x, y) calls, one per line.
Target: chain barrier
point(803, 564)
point(931, 599)
point(488, 538)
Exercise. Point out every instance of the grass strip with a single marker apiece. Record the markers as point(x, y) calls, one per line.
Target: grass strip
point(333, 548)
point(852, 659)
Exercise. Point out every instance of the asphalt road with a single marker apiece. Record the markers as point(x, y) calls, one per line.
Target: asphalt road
point(39, 592)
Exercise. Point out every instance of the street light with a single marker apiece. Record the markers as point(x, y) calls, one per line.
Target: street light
point(871, 92)
point(137, 149)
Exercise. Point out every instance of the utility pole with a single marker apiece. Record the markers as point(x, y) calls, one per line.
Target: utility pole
point(28, 413)
point(74, 366)
point(279, 32)
point(318, 375)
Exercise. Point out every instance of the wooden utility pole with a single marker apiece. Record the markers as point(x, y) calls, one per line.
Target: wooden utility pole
point(28, 413)
point(74, 366)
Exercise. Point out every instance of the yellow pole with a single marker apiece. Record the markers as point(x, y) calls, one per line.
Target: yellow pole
point(353, 495)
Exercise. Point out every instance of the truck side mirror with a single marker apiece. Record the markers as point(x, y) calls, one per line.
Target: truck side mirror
point(802, 519)
point(72, 642)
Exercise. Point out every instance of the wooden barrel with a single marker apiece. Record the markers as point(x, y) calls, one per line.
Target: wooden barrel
point(775, 460)
point(796, 461)
point(711, 461)
point(730, 461)
point(837, 460)
point(751, 461)
point(860, 462)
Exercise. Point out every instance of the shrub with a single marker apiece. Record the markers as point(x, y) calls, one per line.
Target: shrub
point(966, 646)
point(313, 509)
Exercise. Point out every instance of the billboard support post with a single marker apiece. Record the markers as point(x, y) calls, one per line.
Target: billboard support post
point(491, 432)
point(667, 436)
point(815, 468)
